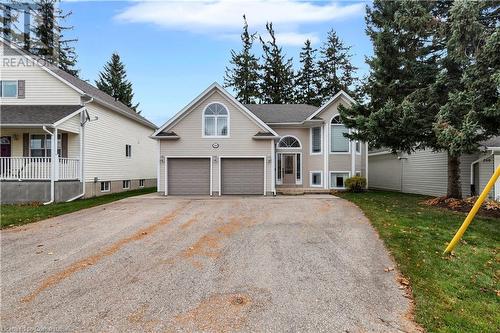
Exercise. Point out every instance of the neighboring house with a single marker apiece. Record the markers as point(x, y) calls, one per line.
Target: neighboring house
point(426, 172)
point(101, 143)
point(216, 145)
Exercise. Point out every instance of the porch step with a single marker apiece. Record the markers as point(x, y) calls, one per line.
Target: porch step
point(301, 190)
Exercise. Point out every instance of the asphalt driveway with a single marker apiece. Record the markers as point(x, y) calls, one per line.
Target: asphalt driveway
point(294, 264)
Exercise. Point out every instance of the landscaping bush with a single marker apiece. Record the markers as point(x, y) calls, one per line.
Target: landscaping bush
point(356, 184)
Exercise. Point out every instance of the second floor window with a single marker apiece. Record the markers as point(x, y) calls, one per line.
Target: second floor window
point(128, 151)
point(8, 89)
point(215, 120)
point(338, 142)
point(316, 140)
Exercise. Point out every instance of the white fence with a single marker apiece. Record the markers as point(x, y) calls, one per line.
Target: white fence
point(37, 168)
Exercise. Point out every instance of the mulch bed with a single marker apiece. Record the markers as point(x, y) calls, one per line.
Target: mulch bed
point(489, 208)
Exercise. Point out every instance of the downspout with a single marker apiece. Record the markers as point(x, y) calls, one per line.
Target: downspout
point(52, 166)
point(82, 134)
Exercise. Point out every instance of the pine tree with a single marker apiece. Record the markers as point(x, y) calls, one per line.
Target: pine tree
point(307, 83)
point(49, 42)
point(433, 81)
point(277, 72)
point(113, 81)
point(243, 75)
point(335, 68)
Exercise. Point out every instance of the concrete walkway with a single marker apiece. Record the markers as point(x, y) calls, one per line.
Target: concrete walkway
point(252, 264)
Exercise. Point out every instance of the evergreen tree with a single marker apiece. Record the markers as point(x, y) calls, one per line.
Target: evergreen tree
point(335, 68)
point(113, 81)
point(277, 72)
point(307, 84)
point(243, 75)
point(49, 42)
point(433, 81)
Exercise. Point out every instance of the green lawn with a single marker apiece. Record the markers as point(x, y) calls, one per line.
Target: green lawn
point(457, 293)
point(21, 214)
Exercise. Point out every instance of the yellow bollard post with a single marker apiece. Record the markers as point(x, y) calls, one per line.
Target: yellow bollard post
point(473, 211)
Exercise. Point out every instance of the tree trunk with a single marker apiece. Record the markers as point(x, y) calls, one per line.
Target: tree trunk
point(454, 186)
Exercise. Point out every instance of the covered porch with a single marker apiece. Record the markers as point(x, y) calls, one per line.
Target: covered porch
point(28, 162)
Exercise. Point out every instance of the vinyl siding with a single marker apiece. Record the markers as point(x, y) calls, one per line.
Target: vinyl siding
point(424, 172)
point(105, 140)
point(41, 87)
point(240, 142)
point(71, 125)
point(384, 172)
point(485, 172)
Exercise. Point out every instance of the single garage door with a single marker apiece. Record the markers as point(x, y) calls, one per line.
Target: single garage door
point(242, 175)
point(188, 176)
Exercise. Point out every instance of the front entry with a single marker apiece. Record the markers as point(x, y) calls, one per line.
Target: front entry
point(5, 148)
point(289, 169)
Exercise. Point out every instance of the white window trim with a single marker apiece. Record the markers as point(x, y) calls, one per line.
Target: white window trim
point(109, 186)
point(203, 123)
point(330, 179)
point(143, 181)
point(59, 137)
point(127, 182)
point(289, 148)
point(17, 90)
point(311, 141)
point(311, 178)
point(360, 147)
point(356, 173)
point(348, 152)
point(297, 181)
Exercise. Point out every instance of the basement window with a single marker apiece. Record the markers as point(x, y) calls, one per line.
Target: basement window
point(337, 179)
point(126, 184)
point(316, 179)
point(105, 186)
point(141, 182)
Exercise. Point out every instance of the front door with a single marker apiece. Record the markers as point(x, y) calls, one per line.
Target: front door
point(289, 169)
point(5, 149)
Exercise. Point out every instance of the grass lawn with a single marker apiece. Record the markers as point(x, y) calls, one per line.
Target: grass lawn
point(457, 293)
point(21, 214)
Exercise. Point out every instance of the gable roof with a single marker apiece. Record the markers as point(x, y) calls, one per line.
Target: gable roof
point(212, 87)
point(493, 142)
point(282, 113)
point(81, 86)
point(35, 114)
point(333, 99)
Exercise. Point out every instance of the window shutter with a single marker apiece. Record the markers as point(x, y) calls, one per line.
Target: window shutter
point(316, 139)
point(26, 144)
point(64, 145)
point(21, 88)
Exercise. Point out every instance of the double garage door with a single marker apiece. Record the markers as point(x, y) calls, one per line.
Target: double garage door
point(191, 176)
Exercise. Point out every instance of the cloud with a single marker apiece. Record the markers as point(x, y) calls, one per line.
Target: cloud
point(224, 17)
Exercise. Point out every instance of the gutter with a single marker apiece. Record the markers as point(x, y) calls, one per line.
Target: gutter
point(82, 131)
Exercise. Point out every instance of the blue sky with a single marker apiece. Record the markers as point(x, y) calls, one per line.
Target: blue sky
point(174, 50)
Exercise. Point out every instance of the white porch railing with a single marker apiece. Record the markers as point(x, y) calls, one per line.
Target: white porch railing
point(37, 168)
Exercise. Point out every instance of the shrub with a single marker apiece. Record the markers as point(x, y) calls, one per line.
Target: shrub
point(356, 184)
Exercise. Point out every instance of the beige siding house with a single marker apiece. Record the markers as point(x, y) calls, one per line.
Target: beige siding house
point(426, 172)
point(102, 145)
point(216, 146)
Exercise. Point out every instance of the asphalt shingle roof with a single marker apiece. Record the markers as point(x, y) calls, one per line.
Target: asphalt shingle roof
point(35, 114)
point(281, 113)
point(492, 142)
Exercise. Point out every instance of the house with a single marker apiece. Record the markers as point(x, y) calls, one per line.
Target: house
point(102, 145)
point(217, 145)
point(426, 172)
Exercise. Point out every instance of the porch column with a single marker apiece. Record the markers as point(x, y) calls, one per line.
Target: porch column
point(54, 156)
point(326, 155)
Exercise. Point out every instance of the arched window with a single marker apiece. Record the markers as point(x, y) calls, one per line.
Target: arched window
point(289, 142)
point(338, 142)
point(215, 120)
